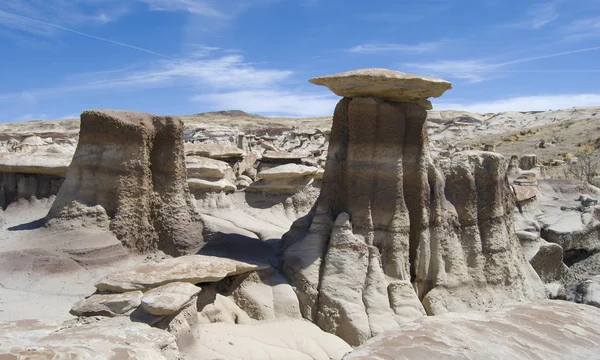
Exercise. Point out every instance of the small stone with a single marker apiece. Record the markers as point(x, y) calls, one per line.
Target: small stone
point(169, 299)
point(524, 193)
point(107, 304)
point(590, 291)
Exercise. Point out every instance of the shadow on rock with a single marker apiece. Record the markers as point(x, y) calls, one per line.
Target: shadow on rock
point(243, 248)
point(32, 225)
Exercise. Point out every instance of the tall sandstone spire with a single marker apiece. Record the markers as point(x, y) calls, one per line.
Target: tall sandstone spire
point(393, 236)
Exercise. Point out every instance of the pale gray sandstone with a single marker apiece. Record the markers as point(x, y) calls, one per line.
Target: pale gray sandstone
point(537, 330)
point(170, 298)
point(208, 175)
point(108, 304)
point(130, 167)
point(111, 338)
point(590, 291)
point(387, 217)
point(193, 269)
point(289, 178)
point(385, 84)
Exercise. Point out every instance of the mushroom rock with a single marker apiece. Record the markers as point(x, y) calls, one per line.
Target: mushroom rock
point(129, 172)
point(383, 214)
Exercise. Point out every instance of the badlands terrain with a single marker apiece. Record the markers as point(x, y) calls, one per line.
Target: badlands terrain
point(383, 232)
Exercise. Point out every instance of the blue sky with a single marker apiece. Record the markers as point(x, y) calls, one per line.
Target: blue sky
point(60, 57)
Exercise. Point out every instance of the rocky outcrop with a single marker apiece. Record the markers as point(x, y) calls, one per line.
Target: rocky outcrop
point(15, 186)
point(208, 175)
point(574, 230)
point(47, 163)
point(543, 330)
point(545, 258)
point(130, 168)
point(387, 216)
point(193, 269)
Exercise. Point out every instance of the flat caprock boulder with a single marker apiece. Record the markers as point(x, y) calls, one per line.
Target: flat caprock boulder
point(193, 269)
point(384, 84)
point(129, 168)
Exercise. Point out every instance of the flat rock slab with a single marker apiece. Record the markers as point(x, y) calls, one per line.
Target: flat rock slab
point(541, 330)
point(283, 155)
point(193, 269)
point(43, 164)
point(288, 171)
point(203, 167)
point(208, 185)
point(213, 151)
point(107, 304)
point(112, 338)
point(524, 193)
point(169, 299)
point(385, 84)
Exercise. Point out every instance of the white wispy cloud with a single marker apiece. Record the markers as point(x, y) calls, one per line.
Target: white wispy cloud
point(538, 16)
point(44, 17)
point(523, 103)
point(216, 9)
point(197, 7)
point(400, 48)
point(209, 76)
point(582, 29)
point(225, 72)
point(271, 102)
point(17, 15)
point(479, 69)
point(216, 72)
point(43, 26)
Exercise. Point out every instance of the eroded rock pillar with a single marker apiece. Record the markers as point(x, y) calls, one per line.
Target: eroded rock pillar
point(128, 173)
point(382, 235)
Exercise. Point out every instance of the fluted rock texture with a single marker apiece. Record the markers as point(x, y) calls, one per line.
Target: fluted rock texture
point(129, 168)
point(392, 236)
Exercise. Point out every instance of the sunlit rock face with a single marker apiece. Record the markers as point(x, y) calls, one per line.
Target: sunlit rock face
point(128, 173)
point(393, 236)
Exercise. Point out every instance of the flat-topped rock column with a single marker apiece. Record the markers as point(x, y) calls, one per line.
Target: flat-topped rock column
point(128, 173)
point(382, 234)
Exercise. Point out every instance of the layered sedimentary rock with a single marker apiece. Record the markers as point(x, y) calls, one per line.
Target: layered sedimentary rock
point(544, 330)
point(208, 175)
point(393, 236)
point(129, 167)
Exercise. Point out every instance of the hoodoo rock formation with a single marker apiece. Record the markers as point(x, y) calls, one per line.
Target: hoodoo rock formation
point(129, 173)
point(393, 236)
